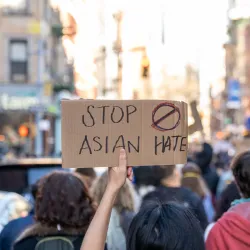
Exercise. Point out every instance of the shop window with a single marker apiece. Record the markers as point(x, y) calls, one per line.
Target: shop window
point(18, 60)
point(15, 7)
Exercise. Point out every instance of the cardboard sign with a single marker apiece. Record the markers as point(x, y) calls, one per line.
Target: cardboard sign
point(152, 132)
point(197, 125)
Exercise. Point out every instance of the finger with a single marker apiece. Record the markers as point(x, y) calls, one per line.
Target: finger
point(122, 159)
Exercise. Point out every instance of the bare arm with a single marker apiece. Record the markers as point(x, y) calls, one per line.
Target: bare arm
point(95, 237)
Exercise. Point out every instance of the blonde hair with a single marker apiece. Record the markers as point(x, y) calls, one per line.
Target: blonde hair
point(193, 180)
point(124, 200)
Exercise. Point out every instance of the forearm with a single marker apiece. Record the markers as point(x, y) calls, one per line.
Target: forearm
point(95, 237)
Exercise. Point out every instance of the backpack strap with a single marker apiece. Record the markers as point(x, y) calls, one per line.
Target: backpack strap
point(66, 239)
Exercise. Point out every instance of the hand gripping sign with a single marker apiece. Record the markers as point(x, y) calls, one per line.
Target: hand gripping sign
point(152, 132)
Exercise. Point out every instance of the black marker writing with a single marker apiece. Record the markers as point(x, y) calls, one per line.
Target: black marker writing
point(158, 144)
point(113, 112)
point(83, 117)
point(130, 110)
point(166, 144)
point(103, 113)
point(182, 144)
point(107, 145)
point(137, 149)
point(169, 143)
point(85, 141)
point(176, 137)
point(116, 115)
point(120, 138)
point(98, 142)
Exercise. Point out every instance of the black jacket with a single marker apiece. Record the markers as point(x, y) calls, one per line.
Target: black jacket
point(30, 237)
point(181, 195)
point(203, 159)
point(13, 229)
point(212, 179)
point(230, 194)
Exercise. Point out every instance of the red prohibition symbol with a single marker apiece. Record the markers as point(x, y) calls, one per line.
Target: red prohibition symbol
point(155, 123)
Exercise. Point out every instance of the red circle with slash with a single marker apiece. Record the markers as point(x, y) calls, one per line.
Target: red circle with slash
point(155, 123)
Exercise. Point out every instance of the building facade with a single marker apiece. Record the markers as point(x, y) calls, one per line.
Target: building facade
point(80, 42)
point(27, 59)
point(238, 59)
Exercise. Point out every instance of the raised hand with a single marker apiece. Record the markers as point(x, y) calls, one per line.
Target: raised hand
point(118, 175)
point(99, 224)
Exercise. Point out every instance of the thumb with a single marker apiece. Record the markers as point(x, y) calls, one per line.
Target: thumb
point(123, 160)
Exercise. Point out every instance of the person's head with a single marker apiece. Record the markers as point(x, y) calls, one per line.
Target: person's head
point(222, 160)
point(192, 179)
point(204, 157)
point(241, 171)
point(169, 175)
point(146, 176)
point(124, 200)
point(62, 199)
point(230, 194)
point(165, 226)
point(88, 175)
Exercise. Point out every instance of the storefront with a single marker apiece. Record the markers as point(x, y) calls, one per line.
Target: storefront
point(19, 105)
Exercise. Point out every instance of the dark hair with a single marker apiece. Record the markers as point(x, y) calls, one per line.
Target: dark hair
point(63, 199)
point(34, 189)
point(87, 175)
point(230, 194)
point(165, 226)
point(164, 172)
point(204, 158)
point(89, 172)
point(222, 160)
point(241, 171)
point(146, 176)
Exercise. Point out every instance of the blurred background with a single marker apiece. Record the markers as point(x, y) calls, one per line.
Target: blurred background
point(194, 51)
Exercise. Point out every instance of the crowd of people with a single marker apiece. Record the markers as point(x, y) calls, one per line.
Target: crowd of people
point(204, 204)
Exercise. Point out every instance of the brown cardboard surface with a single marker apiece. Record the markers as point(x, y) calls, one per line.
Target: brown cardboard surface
point(197, 125)
point(153, 132)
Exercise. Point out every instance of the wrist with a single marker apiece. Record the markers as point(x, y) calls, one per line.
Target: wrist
point(112, 189)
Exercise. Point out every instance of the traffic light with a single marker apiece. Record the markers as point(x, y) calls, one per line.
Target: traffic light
point(145, 64)
point(2, 138)
point(23, 131)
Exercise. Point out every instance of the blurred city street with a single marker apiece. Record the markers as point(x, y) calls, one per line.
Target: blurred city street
point(122, 119)
point(106, 49)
